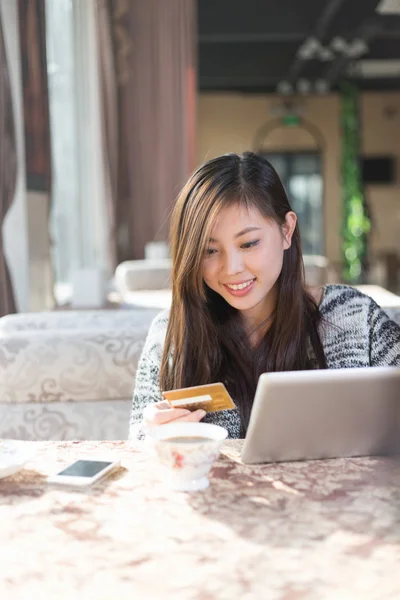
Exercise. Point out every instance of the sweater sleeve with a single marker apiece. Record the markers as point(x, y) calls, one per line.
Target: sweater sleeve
point(147, 386)
point(384, 338)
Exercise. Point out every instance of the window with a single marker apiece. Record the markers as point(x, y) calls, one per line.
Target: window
point(301, 176)
point(78, 215)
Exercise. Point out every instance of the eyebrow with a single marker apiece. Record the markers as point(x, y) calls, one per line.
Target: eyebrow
point(237, 235)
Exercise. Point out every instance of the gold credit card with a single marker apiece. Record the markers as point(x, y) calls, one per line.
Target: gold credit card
point(211, 398)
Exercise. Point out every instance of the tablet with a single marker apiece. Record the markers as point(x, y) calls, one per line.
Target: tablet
point(302, 415)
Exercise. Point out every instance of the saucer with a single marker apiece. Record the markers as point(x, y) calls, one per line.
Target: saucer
point(13, 456)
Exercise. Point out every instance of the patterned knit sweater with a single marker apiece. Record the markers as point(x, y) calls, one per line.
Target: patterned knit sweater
point(354, 330)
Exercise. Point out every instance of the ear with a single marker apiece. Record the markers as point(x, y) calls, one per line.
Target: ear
point(288, 228)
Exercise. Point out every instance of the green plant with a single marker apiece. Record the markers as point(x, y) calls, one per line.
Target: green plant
point(356, 224)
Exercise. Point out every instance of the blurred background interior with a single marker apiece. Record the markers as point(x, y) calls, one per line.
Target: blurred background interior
point(106, 106)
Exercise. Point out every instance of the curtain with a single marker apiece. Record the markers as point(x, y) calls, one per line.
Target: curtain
point(38, 164)
point(155, 49)
point(32, 32)
point(109, 110)
point(8, 173)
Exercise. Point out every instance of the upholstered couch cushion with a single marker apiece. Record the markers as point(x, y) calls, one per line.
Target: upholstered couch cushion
point(77, 319)
point(100, 420)
point(69, 366)
point(69, 374)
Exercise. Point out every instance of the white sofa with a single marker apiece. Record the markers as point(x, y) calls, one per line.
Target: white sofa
point(69, 374)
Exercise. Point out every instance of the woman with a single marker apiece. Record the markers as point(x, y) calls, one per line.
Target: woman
point(240, 306)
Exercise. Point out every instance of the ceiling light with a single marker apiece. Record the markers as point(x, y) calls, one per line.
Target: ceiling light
point(389, 7)
point(303, 86)
point(357, 48)
point(339, 44)
point(321, 86)
point(309, 49)
point(284, 88)
point(325, 54)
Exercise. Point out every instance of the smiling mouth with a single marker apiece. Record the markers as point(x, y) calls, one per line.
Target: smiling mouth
point(240, 286)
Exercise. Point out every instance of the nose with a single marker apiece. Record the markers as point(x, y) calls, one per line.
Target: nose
point(232, 263)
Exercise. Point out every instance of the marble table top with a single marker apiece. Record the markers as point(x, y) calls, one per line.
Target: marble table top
point(295, 531)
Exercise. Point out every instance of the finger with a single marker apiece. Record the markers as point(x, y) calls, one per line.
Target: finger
point(195, 416)
point(172, 414)
point(153, 408)
point(162, 405)
point(155, 416)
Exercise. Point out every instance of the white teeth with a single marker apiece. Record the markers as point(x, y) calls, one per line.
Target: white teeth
point(241, 286)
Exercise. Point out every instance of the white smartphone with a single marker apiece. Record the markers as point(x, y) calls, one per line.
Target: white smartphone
point(84, 473)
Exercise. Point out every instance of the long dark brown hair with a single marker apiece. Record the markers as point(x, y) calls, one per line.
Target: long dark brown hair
point(206, 340)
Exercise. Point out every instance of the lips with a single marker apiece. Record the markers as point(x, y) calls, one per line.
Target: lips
point(240, 288)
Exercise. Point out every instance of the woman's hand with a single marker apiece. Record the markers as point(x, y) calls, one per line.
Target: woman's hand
point(159, 413)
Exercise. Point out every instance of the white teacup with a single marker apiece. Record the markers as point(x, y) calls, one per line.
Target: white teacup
point(187, 452)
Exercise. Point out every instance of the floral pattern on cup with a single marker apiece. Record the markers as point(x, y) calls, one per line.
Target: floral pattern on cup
point(186, 465)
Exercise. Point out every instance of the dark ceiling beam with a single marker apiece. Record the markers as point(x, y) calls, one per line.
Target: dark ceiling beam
point(246, 38)
point(236, 80)
point(389, 35)
point(375, 85)
point(318, 32)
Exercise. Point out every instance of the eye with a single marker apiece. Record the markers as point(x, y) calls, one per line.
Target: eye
point(210, 251)
point(248, 245)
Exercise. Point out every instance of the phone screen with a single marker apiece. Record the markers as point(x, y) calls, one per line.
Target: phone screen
point(84, 468)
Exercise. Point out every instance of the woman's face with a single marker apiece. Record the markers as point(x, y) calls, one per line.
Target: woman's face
point(244, 257)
